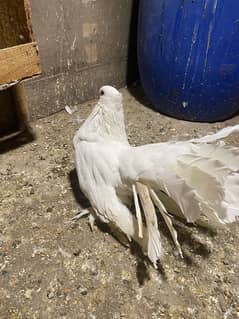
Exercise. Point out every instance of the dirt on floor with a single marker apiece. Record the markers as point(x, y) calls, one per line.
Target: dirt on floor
point(51, 268)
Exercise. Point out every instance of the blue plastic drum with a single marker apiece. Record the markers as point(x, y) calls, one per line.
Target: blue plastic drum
point(188, 53)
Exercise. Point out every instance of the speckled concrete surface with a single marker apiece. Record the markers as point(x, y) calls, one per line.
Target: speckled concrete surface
point(50, 268)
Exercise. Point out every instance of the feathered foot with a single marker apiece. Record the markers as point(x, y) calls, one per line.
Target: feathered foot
point(85, 212)
point(91, 222)
point(82, 213)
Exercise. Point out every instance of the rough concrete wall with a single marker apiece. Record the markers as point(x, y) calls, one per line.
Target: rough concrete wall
point(83, 44)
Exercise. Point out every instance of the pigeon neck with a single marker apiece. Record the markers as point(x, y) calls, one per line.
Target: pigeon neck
point(105, 123)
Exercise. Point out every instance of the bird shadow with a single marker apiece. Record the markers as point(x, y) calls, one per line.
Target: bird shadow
point(84, 204)
point(78, 195)
point(143, 264)
point(191, 245)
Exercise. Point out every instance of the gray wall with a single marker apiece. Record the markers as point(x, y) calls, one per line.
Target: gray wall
point(83, 44)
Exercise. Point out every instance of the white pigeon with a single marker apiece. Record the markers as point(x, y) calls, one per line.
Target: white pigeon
point(196, 179)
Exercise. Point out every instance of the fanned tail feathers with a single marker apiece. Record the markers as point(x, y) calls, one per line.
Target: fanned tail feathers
point(223, 133)
point(214, 179)
point(203, 186)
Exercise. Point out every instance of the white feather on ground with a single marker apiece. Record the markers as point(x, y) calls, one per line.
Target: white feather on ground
point(197, 179)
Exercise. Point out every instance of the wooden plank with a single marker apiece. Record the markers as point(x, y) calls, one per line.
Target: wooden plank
point(19, 62)
point(14, 116)
point(15, 23)
point(28, 13)
point(6, 86)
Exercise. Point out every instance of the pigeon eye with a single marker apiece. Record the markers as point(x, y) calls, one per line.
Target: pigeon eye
point(102, 92)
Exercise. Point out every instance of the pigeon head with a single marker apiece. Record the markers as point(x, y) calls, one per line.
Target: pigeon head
point(106, 121)
point(109, 93)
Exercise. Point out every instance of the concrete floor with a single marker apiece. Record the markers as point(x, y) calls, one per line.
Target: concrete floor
point(50, 268)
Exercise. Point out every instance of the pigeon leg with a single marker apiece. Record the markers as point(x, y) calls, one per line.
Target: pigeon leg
point(81, 214)
point(91, 221)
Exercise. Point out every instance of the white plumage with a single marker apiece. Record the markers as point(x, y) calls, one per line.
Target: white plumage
point(196, 179)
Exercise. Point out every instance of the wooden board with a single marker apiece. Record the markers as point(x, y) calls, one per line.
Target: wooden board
point(15, 23)
point(29, 20)
point(19, 62)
